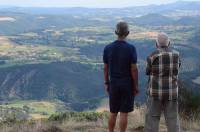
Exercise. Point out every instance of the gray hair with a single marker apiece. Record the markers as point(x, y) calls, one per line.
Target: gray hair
point(162, 40)
point(122, 29)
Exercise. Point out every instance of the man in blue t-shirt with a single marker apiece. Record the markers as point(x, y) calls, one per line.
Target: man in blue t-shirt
point(121, 77)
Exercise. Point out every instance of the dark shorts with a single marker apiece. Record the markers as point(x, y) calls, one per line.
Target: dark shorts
point(121, 99)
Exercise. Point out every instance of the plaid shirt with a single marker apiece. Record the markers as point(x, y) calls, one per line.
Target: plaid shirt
point(162, 68)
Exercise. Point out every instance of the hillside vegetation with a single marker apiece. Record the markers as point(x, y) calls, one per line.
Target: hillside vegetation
point(71, 82)
point(90, 122)
point(56, 53)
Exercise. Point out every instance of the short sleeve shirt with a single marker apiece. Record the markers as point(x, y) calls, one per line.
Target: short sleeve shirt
point(119, 56)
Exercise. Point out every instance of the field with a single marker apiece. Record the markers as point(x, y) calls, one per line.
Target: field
point(36, 109)
point(12, 54)
point(9, 19)
point(197, 80)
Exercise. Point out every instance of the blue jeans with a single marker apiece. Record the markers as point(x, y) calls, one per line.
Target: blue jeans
point(154, 110)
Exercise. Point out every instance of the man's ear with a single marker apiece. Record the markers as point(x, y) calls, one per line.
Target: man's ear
point(156, 45)
point(116, 32)
point(127, 33)
point(169, 43)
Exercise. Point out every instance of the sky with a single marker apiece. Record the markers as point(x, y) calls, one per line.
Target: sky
point(84, 3)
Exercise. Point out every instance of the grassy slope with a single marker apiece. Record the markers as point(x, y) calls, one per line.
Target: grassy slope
point(74, 124)
point(37, 108)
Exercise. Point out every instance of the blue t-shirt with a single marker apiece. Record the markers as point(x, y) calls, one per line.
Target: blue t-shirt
point(119, 56)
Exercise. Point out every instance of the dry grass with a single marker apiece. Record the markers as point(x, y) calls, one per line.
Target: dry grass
point(136, 124)
point(38, 116)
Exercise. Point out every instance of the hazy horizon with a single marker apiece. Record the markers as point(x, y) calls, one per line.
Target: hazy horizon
point(85, 3)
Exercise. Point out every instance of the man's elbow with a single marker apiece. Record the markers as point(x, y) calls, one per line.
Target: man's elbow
point(134, 71)
point(134, 67)
point(105, 67)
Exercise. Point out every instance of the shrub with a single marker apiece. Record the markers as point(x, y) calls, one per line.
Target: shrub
point(52, 129)
point(189, 102)
point(78, 116)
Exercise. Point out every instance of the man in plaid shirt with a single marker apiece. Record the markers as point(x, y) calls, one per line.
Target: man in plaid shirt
point(162, 69)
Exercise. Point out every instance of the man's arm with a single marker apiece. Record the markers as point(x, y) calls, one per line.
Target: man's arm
point(179, 62)
point(106, 77)
point(148, 66)
point(134, 74)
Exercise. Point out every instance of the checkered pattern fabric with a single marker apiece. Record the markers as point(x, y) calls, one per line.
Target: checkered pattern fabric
point(162, 68)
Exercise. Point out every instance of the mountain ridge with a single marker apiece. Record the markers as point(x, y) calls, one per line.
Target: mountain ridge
point(180, 5)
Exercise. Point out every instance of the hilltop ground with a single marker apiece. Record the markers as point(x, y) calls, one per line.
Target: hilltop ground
point(89, 122)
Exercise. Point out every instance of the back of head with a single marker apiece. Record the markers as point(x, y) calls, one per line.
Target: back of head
point(122, 29)
point(162, 40)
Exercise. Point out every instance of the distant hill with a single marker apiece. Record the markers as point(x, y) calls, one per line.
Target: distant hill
point(187, 20)
point(135, 10)
point(73, 17)
point(161, 20)
point(153, 19)
point(196, 37)
point(74, 83)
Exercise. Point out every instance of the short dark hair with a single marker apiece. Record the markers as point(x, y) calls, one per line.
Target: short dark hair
point(122, 29)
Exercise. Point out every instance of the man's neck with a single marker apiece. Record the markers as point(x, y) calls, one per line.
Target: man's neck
point(163, 47)
point(121, 39)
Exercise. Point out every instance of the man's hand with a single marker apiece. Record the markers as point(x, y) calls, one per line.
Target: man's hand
point(134, 74)
point(107, 89)
point(106, 78)
point(136, 92)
